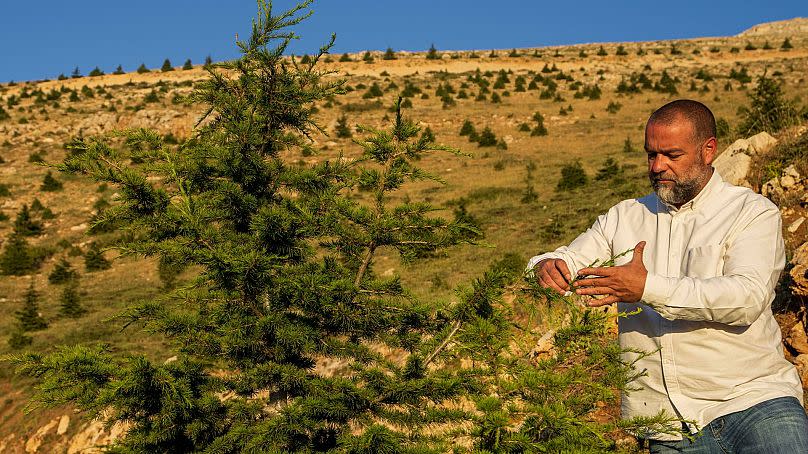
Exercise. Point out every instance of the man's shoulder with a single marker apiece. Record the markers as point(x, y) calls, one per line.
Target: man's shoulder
point(748, 198)
point(648, 202)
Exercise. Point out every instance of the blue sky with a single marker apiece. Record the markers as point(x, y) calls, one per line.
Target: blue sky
point(40, 39)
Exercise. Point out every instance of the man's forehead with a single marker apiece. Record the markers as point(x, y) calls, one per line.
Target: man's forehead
point(678, 123)
point(679, 130)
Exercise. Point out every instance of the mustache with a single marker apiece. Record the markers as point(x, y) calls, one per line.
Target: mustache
point(661, 176)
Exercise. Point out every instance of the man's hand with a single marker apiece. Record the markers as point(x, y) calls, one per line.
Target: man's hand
point(554, 274)
point(624, 283)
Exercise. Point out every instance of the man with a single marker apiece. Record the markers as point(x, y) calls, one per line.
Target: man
point(705, 288)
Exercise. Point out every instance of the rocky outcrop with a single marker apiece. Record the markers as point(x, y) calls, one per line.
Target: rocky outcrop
point(96, 124)
point(733, 164)
point(783, 28)
point(799, 272)
point(163, 120)
point(60, 436)
point(790, 184)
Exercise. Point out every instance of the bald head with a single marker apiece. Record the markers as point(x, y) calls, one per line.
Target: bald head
point(697, 114)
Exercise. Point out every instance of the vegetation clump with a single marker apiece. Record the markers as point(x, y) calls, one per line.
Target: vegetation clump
point(573, 176)
point(768, 109)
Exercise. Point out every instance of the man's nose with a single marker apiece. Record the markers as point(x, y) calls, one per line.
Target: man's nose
point(658, 165)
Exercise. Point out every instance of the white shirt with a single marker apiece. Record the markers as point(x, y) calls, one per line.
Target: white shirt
point(713, 265)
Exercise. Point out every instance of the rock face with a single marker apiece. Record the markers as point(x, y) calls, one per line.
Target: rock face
point(799, 273)
point(98, 123)
point(802, 367)
point(797, 339)
point(733, 164)
point(783, 28)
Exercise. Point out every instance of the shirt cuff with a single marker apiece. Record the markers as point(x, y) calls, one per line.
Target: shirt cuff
point(531, 264)
point(657, 291)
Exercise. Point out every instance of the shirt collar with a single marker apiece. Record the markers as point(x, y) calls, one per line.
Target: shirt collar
point(701, 198)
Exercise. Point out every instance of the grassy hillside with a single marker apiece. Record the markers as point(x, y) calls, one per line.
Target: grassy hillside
point(596, 111)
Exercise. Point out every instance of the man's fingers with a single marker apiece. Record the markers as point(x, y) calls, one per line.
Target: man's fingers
point(597, 271)
point(562, 268)
point(548, 283)
point(595, 291)
point(559, 280)
point(593, 282)
point(603, 301)
point(638, 249)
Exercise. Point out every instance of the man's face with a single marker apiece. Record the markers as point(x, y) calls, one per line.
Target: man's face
point(676, 165)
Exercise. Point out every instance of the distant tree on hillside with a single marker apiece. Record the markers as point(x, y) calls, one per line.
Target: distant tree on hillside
point(487, 138)
point(62, 272)
point(76, 73)
point(602, 52)
point(96, 72)
point(17, 259)
point(345, 58)
point(166, 66)
point(539, 129)
point(768, 110)
point(28, 318)
point(722, 128)
point(432, 54)
point(208, 62)
point(375, 91)
point(389, 54)
point(25, 224)
point(187, 65)
point(572, 176)
point(69, 305)
point(94, 259)
point(628, 147)
point(467, 128)
point(142, 69)
point(119, 70)
point(49, 183)
point(786, 44)
point(342, 129)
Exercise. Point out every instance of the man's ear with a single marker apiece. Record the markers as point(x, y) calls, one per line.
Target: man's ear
point(708, 150)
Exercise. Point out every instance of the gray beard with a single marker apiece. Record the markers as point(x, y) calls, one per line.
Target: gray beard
point(681, 192)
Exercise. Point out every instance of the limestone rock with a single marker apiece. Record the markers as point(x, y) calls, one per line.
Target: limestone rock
point(161, 119)
point(797, 338)
point(4, 443)
point(64, 423)
point(799, 273)
point(98, 123)
point(802, 368)
point(761, 142)
point(93, 435)
point(733, 164)
point(796, 224)
point(771, 188)
point(33, 443)
point(790, 178)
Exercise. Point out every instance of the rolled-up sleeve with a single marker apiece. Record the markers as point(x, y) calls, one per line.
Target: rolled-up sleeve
point(752, 264)
point(587, 247)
